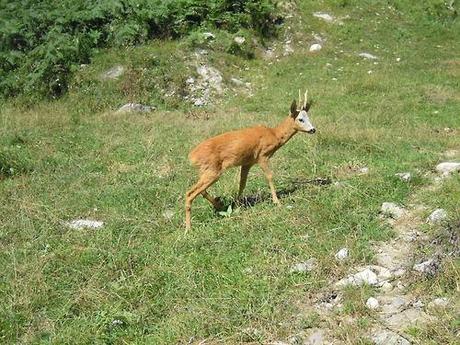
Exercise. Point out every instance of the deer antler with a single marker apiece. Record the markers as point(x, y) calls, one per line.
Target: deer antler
point(305, 100)
point(300, 99)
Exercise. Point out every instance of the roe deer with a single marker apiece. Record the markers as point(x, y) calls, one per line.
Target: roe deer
point(244, 147)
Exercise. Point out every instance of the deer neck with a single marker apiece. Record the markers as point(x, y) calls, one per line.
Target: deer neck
point(285, 130)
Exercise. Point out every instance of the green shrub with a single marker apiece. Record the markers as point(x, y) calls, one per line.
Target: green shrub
point(42, 41)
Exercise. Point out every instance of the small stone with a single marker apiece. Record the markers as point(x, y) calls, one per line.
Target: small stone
point(437, 216)
point(386, 287)
point(372, 303)
point(315, 47)
point(135, 108)
point(324, 16)
point(208, 35)
point(342, 254)
point(200, 102)
point(237, 82)
point(398, 59)
point(418, 304)
point(406, 177)
point(113, 73)
point(368, 56)
point(190, 80)
point(239, 39)
point(85, 223)
point(305, 266)
point(448, 167)
point(168, 214)
point(369, 72)
point(364, 170)
point(117, 322)
point(439, 302)
point(393, 210)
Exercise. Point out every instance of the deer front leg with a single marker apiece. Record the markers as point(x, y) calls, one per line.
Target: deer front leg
point(269, 175)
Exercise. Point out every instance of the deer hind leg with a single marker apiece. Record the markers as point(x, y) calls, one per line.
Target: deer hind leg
point(215, 202)
point(269, 176)
point(243, 178)
point(206, 180)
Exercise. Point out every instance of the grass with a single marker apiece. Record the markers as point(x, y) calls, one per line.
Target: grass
point(228, 280)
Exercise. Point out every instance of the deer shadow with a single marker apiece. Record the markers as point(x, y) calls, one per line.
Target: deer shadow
point(260, 197)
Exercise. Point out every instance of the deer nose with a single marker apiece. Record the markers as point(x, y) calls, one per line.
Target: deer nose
point(311, 131)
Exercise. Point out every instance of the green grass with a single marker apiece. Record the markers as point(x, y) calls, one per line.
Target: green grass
point(229, 275)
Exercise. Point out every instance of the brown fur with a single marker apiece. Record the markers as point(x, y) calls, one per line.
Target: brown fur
point(244, 147)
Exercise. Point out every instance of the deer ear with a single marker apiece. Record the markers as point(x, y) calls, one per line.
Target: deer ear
point(294, 108)
point(307, 107)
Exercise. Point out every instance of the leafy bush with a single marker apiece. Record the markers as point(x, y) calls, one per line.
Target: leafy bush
point(42, 41)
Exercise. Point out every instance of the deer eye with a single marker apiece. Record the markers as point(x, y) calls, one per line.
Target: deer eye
point(301, 120)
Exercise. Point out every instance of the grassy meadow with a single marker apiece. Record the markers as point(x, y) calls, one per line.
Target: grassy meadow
point(140, 279)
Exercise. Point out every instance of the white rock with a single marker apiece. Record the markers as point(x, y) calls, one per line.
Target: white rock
point(393, 210)
point(418, 304)
point(135, 108)
point(439, 302)
point(190, 80)
point(324, 16)
point(208, 35)
point(212, 76)
point(406, 177)
point(342, 254)
point(398, 59)
point(386, 337)
point(85, 223)
point(368, 56)
point(305, 266)
point(239, 39)
point(437, 216)
point(372, 303)
point(315, 47)
point(363, 277)
point(447, 167)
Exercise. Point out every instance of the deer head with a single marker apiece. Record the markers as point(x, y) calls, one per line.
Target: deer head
point(300, 116)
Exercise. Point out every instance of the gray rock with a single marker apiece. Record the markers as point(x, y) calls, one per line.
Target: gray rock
point(393, 210)
point(368, 56)
point(324, 16)
point(315, 338)
point(305, 266)
point(315, 47)
point(113, 73)
point(342, 254)
point(135, 108)
point(437, 216)
point(428, 267)
point(386, 337)
point(79, 224)
point(406, 177)
point(386, 287)
point(393, 304)
point(200, 102)
point(448, 167)
point(406, 318)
